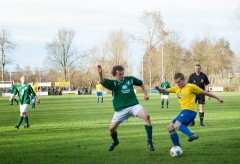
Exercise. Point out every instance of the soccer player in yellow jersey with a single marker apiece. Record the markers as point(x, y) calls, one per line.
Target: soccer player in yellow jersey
point(186, 94)
point(99, 89)
point(35, 89)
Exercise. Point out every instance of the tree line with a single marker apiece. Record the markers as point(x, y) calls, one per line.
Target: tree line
point(163, 56)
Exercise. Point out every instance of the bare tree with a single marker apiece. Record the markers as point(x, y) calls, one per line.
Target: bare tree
point(173, 55)
point(186, 64)
point(18, 72)
point(85, 74)
point(155, 29)
point(61, 53)
point(215, 55)
point(90, 73)
point(53, 75)
point(153, 40)
point(117, 47)
point(6, 46)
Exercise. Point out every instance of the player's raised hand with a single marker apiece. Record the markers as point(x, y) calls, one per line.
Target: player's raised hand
point(99, 68)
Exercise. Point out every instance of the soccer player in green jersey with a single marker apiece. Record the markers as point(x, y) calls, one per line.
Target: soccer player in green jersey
point(125, 102)
point(24, 92)
point(165, 96)
point(12, 89)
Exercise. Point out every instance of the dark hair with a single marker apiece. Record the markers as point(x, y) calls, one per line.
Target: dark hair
point(179, 75)
point(117, 68)
point(198, 65)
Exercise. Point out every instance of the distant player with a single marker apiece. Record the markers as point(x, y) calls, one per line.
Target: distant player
point(125, 103)
point(24, 92)
point(99, 90)
point(165, 96)
point(12, 90)
point(33, 97)
point(186, 94)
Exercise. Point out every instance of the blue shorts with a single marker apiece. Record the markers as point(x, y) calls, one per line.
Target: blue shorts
point(185, 117)
point(99, 93)
point(33, 97)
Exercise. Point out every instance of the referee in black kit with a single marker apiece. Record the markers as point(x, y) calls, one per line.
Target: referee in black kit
point(201, 80)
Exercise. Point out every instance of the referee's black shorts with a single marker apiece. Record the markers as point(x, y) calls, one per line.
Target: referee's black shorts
point(200, 98)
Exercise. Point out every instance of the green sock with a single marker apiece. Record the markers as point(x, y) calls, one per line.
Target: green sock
point(114, 137)
point(167, 103)
point(20, 120)
point(26, 120)
point(148, 129)
point(162, 103)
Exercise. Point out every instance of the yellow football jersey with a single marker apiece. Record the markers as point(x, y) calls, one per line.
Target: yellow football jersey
point(99, 87)
point(35, 88)
point(186, 95)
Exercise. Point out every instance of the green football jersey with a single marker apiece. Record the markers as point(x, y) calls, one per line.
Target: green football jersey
point(12, 89)
point(123, 92)
point(165, 85)
point(24, 93)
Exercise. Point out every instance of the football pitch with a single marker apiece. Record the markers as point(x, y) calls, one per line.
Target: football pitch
point(74, 129)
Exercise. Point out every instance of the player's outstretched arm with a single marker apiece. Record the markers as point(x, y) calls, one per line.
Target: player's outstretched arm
point(100, 72)
point(161, 90)
point(146, 96)
point(212, 95)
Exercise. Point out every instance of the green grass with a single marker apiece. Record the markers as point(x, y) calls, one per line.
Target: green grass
point(74, 129)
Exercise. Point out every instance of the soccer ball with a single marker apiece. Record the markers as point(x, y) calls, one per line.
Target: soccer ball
point(176, 151)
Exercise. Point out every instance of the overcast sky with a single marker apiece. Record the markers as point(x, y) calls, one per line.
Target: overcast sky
point(33, 23)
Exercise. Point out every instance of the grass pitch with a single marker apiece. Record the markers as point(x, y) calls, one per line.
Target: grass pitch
point(74, 129)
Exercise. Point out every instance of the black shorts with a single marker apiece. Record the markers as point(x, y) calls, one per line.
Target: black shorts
point(200, 98)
